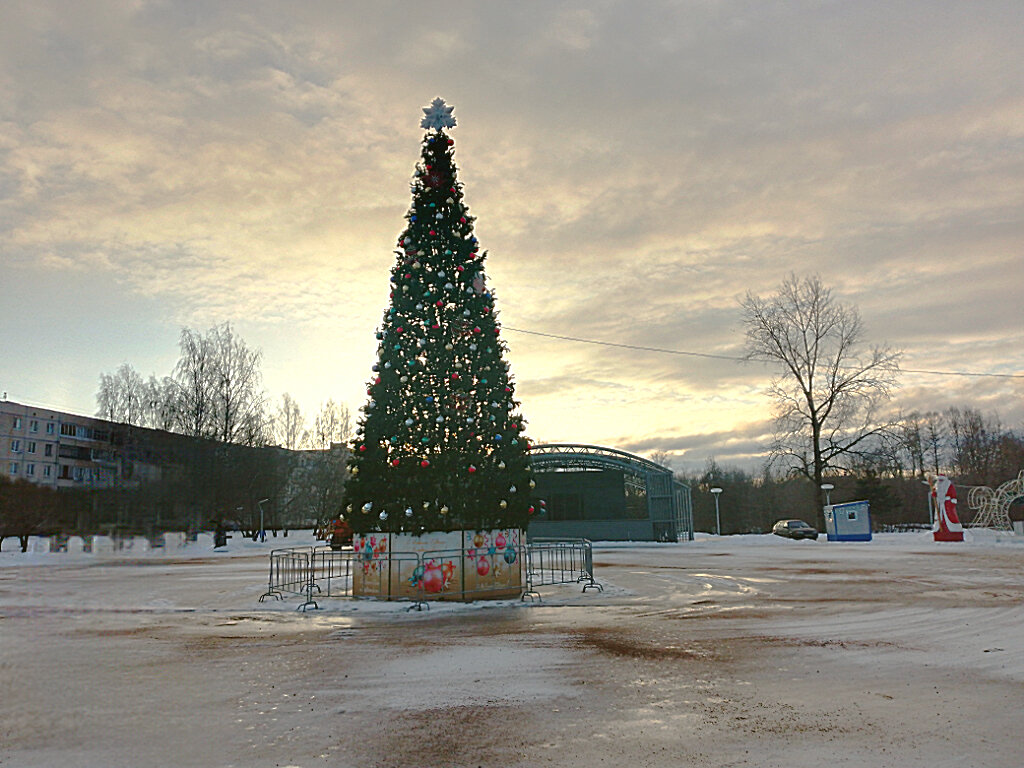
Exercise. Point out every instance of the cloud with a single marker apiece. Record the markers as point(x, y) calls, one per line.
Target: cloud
point(635, 170)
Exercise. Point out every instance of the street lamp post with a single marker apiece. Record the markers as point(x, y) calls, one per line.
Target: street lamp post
point(718, 519)
point(263, 530)
point(827, 488)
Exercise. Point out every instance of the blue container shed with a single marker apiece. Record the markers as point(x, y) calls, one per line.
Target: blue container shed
point(848, 522)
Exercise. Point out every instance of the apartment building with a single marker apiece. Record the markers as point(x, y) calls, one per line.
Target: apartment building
point(61, 450)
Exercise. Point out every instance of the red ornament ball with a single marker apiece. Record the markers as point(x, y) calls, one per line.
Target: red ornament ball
point(424, 463)
point(362, 448)
point(472, 469)
point(433, 579)
point(394, 462)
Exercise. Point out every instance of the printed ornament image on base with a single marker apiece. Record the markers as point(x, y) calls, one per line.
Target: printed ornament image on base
point(452, 565)
point(440, 454)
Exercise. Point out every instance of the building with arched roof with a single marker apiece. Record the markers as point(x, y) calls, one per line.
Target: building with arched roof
point(608, 495)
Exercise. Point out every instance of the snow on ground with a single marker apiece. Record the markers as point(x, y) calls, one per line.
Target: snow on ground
point(731, 651)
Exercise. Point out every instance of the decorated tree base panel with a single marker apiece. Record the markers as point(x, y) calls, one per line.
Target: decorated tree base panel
point(449, 565)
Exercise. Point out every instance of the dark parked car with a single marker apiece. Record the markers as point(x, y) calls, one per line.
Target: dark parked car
point(794, 529)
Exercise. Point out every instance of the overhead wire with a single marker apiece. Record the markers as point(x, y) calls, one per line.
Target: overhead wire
point(733, 358)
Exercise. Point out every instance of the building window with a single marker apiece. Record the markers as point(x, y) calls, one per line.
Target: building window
point(46, 470)
point(13, 468)
point(31, 448)
point(49, 428)
point(17, 422)
point(30, 469)
point(79, 474)
point(15, 446)
point(48, 449)
point(65, 471)
point(33, 426)
point(67, 429)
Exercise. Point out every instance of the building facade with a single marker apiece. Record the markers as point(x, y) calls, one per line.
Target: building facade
point(64, 450)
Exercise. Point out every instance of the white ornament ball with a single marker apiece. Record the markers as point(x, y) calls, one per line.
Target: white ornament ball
point(383, 515)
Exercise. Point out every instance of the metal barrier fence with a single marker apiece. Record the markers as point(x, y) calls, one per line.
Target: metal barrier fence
point(559, 561)
point(413, 577)
point(291, 573)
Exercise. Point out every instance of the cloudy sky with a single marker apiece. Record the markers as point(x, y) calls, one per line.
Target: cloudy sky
point(635, 168)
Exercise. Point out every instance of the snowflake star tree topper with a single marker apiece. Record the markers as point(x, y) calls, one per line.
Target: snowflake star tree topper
point(438, 116)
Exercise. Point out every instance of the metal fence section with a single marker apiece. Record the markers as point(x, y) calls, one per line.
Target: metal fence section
point(511, 572)
point(291, 573)
point(333, 570)
point(559, 561)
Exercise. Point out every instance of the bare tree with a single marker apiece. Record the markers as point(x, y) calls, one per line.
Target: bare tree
point(831, 388)
point(121, 396)
point(332, 425)
point(238, 400)
point(193, 375)
point(661, 457)
point(288, 424)
point(219, 392)
point(922, 441)
point(160, 403)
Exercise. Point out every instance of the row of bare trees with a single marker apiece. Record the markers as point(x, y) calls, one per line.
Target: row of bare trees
point(215, 391)
point(970, 447)
point(215, 395)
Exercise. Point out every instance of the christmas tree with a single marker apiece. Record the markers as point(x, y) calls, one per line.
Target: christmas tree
point(440, 443)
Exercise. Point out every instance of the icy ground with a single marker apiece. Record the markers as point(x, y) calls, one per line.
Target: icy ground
point(739, 651)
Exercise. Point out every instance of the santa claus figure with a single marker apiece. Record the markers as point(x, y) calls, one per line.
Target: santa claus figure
point(946, 526)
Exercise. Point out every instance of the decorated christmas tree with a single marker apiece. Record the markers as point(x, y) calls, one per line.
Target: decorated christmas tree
point(440, 443)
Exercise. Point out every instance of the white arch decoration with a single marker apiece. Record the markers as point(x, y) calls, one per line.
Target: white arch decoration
point(994, 506)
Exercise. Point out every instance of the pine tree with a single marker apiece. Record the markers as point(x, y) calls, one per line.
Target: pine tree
point(440, 443)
